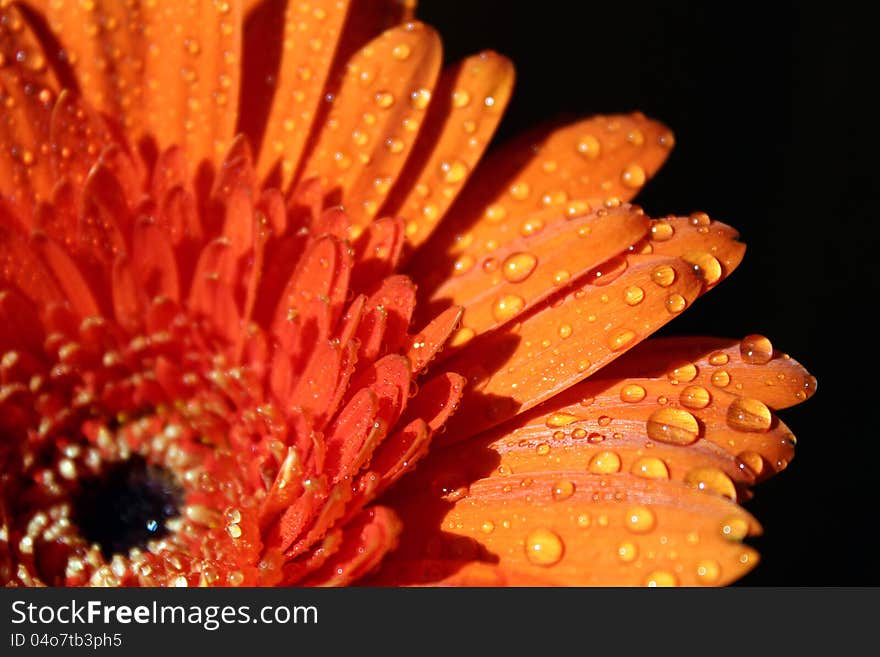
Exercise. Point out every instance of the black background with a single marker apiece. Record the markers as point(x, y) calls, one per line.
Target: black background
point(772, 139)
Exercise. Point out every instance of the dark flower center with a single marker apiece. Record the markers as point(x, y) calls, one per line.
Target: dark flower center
point(126, 506)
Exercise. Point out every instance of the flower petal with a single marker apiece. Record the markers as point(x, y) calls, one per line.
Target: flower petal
point(580, 167)
point(362, 150)
point(526, 271)
point(465, 110)
point(735, 366)
point(288, 50)
point(168, 70)
point(568, 528)
point(367, 539)
point(564, 341)
point(424, 345)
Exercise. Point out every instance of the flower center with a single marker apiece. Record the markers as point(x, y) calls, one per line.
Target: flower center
point(126, 505)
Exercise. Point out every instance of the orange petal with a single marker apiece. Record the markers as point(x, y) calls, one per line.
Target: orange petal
point(563, 168)
point(425, 344)
point(289, 48)
point(569, 528)
point(365, 143)
point(750, 367)
point(465, 110)
point(367, 539)
point(563, 342)
point(711, 247)
point(377, 251)
point(523, 273)
point(167, 70)
point(29, 88)
point(396, 297)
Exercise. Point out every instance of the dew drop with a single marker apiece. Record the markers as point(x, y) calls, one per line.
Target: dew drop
point(675, 303)
point(752, 460)
point(661, 578)
point(544, 547)
point(507, 307)
point(650, 467)
point(640, 520)
point(745, 414)
point(384, 99)
point(519, 266)
point(633, 295)
point(718, 358)
point(735, 528)
point(708, 571)
point(488, 527)
point(627, 552)
point(683, 373)
point(699, 219)
point(662, 231)
point(604, 463)
point(454, 171)
point(589, 147)
point(401, 52)
point(495, 213)
point(720, 379)
point(561, 420)
point(673, 425)
point(633, 176)
point(564, 331)
point(695, 397)
point(705, 264)
point(711, 480)
point(663, 275)
point(756, 349)
point(460, 98)
point(562, 490)
point(621, 339)
point(632, 393)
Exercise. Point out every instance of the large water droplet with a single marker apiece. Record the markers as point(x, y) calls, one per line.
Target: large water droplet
point(604, 463)
point(650, 467)
point(544, 547)
point(695, 397)
point(632, 393)
point(711, 480)
point(640, 519)
point(746, 414)
point(673, 425)
point(507, 307)
point(756, 349)
point(519, 266)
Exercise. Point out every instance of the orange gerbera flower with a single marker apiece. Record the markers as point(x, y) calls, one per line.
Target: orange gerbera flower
point(214, 370)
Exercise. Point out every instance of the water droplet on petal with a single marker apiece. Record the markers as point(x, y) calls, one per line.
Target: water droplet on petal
point(718, 358)
point(673, 425)
point(632, 393)
point(661, 578)
point(662, 231)
point(650, 467)
point(708, 571)
point(627, 552)
point(633, 176)
point(562, 490)
point(544, 547)
point(756, 349)
point(711, 480)
point(561, 420)
point(695, 397)
point(633, 295)
point(589, 147)
point(621, 339)
point(640, 519)
point(735, 528)
point(746, 414)
point(507, 307)
point(720, 379)
point(663, 275)
point(519, 266)
point(604, 463)
point(705, 264)
point(675, 303)
point(752, 460)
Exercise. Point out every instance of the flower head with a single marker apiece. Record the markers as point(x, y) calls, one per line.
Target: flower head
point(251, 271)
